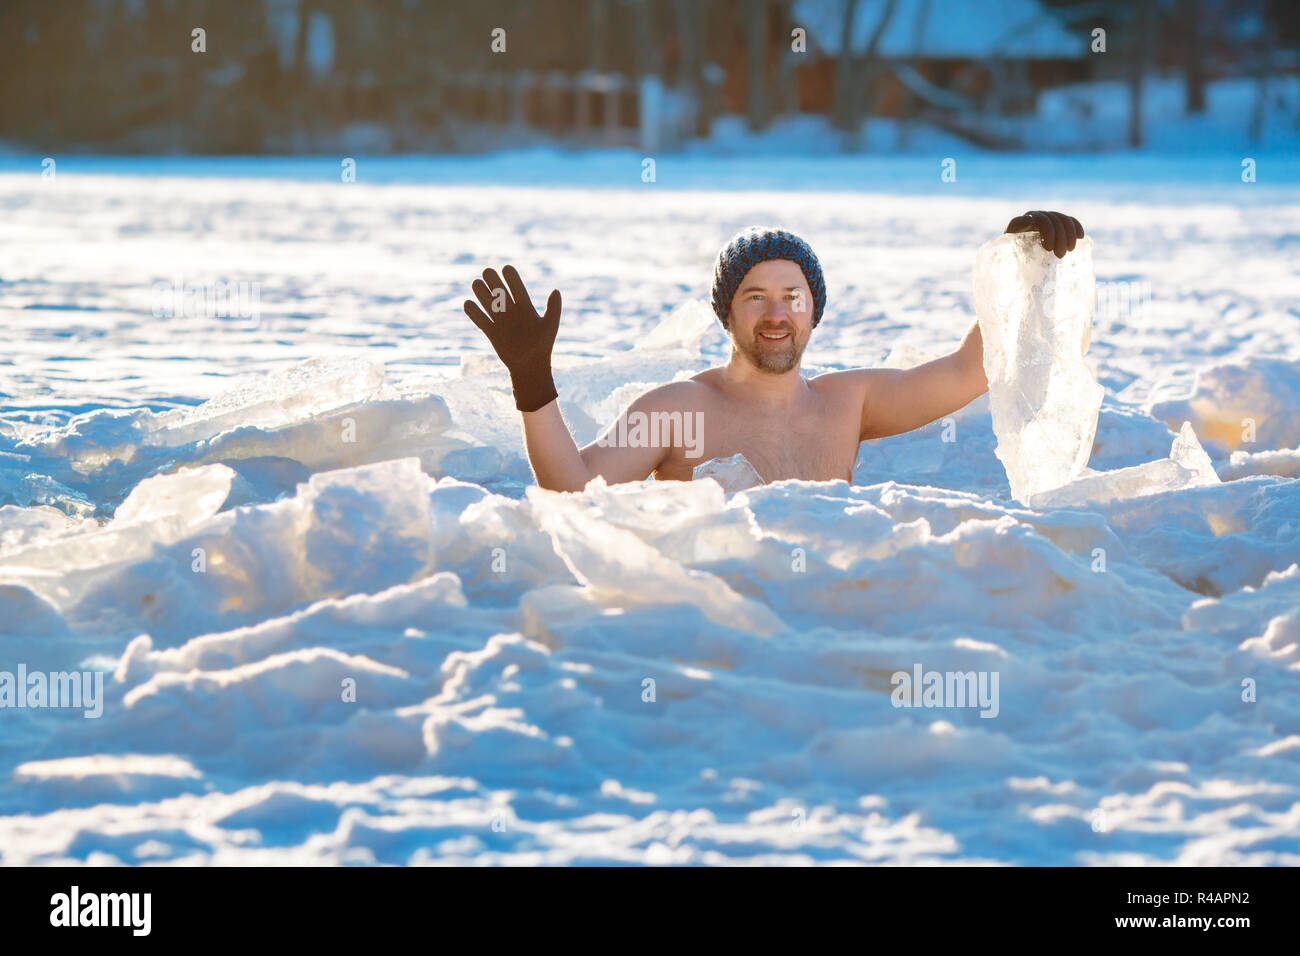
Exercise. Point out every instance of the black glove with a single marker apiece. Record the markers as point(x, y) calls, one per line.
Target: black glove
point(1057, 231)
point(522, 339)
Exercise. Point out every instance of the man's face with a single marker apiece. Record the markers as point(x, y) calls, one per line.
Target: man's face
point(771, 315)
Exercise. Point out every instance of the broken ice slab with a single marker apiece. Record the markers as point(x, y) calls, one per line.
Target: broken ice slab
point(394, 426)
point(904, 356)
point(356, 530)
point(1035, 315)
point(194, 494)
point(622, 569)
point(1098, 488)
point(683, 328)
point(268, 401)
point(157, 512)
point(1186, 467)
point(1187, 451)
point(473, 364)
point(24, 488)
point(20, 526)
point(734, 473)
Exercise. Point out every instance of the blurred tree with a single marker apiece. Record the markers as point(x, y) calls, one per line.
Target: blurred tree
point(841, 109)
point(1139, 45)
point(1190, 15)
point(787, 87)
point(598, 34)
point(687, 15)
point(856, 74)
point(649, 42)
point(755, 14)
point(909, 105)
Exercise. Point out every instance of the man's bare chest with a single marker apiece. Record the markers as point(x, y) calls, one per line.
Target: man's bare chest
point(821, 446)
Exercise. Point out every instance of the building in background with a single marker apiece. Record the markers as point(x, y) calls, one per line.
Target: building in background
point(946, 62)
point(380, 76)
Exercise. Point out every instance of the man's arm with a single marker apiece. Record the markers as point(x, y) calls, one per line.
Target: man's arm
point(899, 400)
point(523, 340)
point(559, 465)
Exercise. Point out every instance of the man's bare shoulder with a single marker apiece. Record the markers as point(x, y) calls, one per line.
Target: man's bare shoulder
point(685, 394)
point(848, 381)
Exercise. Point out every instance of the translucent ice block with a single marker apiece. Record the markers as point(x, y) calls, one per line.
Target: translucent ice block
point(621, 569)
point(734, 473)
point(1035, 315)
point(1186, 467)
point(293, 394)
point(1187, 451)
point(684, 328)
point(194, 494)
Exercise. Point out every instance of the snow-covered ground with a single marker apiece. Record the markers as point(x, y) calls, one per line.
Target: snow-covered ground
point(337, 626)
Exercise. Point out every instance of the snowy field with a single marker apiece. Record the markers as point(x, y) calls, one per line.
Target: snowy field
point(337, 626)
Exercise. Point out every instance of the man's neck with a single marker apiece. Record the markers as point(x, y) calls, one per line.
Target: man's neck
point(760, 388)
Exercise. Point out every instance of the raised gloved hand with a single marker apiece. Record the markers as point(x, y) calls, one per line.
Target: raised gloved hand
point(1057, 231)
point(522, 339)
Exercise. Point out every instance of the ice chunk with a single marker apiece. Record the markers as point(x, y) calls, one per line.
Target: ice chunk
point(23, 487)
point(473, 363)
point(904, 355)
point(21, 526)
point(159, 511)
point(354, 530)
point(376, 430)
point(1186, 467)
point(684, 328)
point(194, 494)
point(1098, 488)
point(319, 416)
point(654, 508)
point(622, 569)
point(298, 392)
point(1187, 451)
point(1035, 315)
point(734, 472)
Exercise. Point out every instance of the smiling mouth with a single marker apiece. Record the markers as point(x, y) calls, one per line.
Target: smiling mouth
point(774, 336)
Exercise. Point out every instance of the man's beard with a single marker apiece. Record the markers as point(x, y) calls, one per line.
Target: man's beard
point(772, 357)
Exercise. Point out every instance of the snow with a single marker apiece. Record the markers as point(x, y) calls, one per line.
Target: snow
point(1244, 119)
point(1237, 405)
point(338, 625)
point(1095, 115)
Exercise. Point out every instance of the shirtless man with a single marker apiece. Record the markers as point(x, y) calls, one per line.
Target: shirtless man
point(769, 294)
